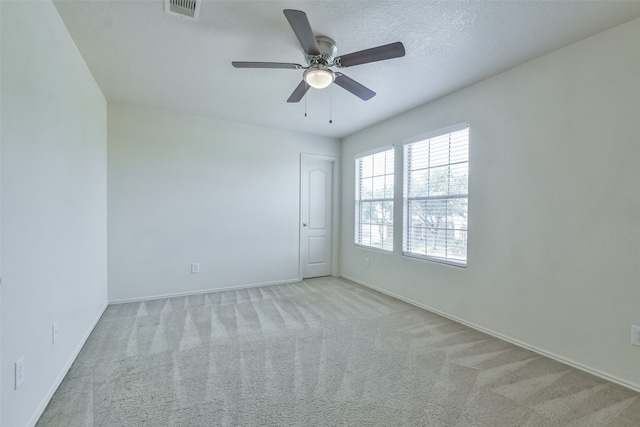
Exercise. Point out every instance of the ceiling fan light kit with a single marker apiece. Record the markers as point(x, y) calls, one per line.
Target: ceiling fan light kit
point(319, 77)
point(320, 53)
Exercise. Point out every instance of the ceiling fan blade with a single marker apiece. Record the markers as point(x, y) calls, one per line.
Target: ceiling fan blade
point(354, 87)
point(380, 53)
point(299, 92)
point(246, 64)
point(301, 27)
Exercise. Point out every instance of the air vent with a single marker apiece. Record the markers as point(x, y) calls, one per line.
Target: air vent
point(189, 9)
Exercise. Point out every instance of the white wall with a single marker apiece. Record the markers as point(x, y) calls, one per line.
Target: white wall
point(184, 188)
point(53, 204)
point(1, 380)
point(554, 206)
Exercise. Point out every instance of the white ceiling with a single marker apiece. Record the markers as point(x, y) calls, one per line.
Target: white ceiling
point(140, 55)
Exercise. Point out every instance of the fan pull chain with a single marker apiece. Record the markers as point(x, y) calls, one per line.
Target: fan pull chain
point(331, 104)
point(305, 106)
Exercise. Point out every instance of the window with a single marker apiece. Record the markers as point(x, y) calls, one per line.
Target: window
point(374, 199)
point(436, 176)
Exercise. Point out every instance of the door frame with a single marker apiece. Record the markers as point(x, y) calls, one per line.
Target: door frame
point(335, 220)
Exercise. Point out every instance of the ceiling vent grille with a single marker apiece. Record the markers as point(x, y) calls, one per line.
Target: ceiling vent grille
point(189, 9)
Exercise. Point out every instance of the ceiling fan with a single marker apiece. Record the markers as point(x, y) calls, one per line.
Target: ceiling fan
point(320, 53)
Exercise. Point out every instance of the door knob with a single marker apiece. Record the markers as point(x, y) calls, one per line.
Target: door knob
point(304, 224)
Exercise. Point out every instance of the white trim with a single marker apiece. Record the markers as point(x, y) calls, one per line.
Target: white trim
point(569, 362)
point(407, 199)
point(374, 151)
point(63, 373)
point(373, 248)
point(318, 157)
point(447, 261)
point(428, 135)
point(206, 291)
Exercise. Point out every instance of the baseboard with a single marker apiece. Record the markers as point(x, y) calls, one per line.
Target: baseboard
point(569, 362)
point(45, 401)
point(206, 291)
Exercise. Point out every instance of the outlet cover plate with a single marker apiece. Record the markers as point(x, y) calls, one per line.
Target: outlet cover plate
point(19, 372)
point(635, 335)
point(54, 333)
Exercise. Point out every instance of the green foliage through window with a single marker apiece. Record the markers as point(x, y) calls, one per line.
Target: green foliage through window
point(374, 200)
point(436, 176)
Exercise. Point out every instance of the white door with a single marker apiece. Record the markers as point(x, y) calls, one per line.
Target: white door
point(315, 227)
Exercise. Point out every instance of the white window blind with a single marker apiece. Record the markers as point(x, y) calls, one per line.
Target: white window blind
point(374, 200)
point(435, 191)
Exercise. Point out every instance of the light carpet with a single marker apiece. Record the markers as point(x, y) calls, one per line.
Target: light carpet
point(323, 352)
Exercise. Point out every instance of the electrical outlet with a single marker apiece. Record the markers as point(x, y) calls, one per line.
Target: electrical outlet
point(635, 335)
point(19, 372)
point(54, 333)
point(367, 263)
point(195, 267)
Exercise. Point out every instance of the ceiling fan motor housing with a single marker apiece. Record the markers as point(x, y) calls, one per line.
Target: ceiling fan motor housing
point(328, 52)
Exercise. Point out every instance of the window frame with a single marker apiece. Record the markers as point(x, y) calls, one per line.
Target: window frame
point(358, 200)
point(406, 221)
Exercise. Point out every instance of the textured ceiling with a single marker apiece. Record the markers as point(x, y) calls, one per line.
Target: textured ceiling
point(140, 55)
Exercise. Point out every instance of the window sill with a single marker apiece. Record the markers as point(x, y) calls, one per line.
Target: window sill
point(451, 262)
point(373, 248)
